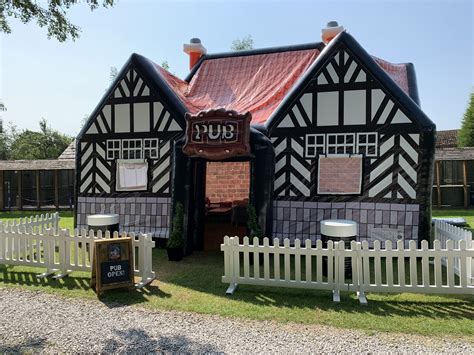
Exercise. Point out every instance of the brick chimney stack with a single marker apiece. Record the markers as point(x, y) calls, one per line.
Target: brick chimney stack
point(332, 30)
point(195, 50)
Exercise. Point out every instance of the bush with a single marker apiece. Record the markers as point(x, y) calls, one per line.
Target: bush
point(175, 239)
point(252, 223)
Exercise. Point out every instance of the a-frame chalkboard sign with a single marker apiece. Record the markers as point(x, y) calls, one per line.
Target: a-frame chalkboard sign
point(112, 264)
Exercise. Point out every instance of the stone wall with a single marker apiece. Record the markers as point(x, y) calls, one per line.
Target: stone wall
point(136, 214)
point(301, 220)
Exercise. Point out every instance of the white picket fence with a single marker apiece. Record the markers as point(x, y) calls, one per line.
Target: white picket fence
point(443, 232)
point(44, 245)
point(373, 269)
point(38, 223)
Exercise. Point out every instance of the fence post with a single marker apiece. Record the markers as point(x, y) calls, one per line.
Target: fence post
point(64, 252)
point(336, 294)
point(233, 246)
point(145, 258)
point(358, 283)
point(56, 220)
point(48, 250)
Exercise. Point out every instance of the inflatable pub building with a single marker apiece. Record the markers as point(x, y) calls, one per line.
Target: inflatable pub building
point(302, 133)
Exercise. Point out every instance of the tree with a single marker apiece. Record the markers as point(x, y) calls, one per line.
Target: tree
point(242, 44)
point(50, 14)
point(165, 65)
point(113, 74)
point(7, 136)
point(46, 144)
point(466, 133)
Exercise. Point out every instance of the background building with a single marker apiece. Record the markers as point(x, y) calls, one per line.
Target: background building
point(454, 172)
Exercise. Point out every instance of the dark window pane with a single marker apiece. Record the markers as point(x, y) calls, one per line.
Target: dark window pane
point(66, 188)
point(47, 188)
point(28, 189)
point(10, 188)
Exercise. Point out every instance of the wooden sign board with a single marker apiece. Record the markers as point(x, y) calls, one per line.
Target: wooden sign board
point(112, 264)
point(217, 134)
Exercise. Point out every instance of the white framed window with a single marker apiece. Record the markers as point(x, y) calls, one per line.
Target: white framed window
point(315, 145)
point(150, 148)
point(340, 143)
point(132, 149)
point(131, 175)
point(367, 144)
point(113, 149)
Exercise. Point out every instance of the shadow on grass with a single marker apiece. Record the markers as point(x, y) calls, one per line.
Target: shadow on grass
point(29, 278)
point(112, 298)
point(202, 272)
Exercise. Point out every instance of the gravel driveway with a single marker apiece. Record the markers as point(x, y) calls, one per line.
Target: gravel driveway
point(39, 322)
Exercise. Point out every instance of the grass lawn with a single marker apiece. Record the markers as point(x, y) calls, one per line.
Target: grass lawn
point(468, 215)
point(66, 221)
point(194, 284)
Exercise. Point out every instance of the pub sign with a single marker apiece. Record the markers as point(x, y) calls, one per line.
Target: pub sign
point(217, 134)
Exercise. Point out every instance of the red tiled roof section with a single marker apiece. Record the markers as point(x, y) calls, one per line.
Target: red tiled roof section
point(447, 139)
point(398, 73)
point(255, 83)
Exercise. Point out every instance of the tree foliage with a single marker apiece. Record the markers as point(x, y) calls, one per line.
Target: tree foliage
point(7, 137)
point(466, 133)
point(51, 14)
point(113, 74)
point(175, 239)
point(252, 223)
point(46, 144)
point(242, 44)
point(165, 65)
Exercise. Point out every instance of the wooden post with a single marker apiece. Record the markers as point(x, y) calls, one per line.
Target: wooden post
point(464, 183)
point(20, 190)
point(2, 193)
point(56, 188)
point(438, 185)
point(38, 196)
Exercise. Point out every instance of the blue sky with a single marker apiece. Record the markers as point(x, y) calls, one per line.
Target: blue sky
point(62, 82)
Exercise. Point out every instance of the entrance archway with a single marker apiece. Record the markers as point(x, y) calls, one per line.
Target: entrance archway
point(189, 175)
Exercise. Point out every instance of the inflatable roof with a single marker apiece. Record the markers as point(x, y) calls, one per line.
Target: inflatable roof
point(255, 80)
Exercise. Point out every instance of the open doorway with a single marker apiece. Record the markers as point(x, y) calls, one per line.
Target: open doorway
point(227, 196)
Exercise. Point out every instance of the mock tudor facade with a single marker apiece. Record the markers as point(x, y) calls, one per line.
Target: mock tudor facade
point(333, 133)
